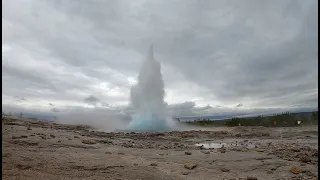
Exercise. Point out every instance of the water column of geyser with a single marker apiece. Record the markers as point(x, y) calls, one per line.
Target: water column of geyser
point(147, 98)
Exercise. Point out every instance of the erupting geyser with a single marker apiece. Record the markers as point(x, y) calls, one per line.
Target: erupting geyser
point(147, 98)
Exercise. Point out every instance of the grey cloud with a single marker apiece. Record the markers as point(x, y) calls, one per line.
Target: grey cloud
point(258, 53)
point(55, 110)
point(91, 100)
point(187, 108)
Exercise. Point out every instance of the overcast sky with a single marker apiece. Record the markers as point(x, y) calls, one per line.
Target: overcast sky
point(227, 54)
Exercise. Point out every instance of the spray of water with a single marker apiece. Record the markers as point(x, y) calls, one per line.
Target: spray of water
point(147, 98)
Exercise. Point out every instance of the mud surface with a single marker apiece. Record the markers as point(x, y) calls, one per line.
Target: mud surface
point(46, 150)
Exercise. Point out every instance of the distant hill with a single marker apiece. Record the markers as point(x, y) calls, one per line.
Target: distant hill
point(39, 116)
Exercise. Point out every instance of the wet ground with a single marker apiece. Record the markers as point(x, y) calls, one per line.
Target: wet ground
point(46, 150)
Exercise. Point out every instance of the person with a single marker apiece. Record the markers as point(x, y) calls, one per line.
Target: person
point(274, 123)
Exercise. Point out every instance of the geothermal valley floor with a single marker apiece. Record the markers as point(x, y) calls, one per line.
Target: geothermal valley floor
point(46, 150)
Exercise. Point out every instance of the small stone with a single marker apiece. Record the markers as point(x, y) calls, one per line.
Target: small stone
point(222, 150)
point(260, 150)
point(76, 137)
point(135, 164)
point(88, 141)
point(211, 162)
point(190, 165)
point(303, 164)
point(309, 173)
point(225, 170)
point(23, 167)
point(295, 150)
point(251, 178)
point(153, 164)
point(205, 152)
point(108, 152)
point(185, 172)
point(59, 141)
point(305, 159)
point(52, 136)
point(295, 170)
point(107, 142)
point(29, 128)
point(187, 153)
point(201, 147)
point(121, 153)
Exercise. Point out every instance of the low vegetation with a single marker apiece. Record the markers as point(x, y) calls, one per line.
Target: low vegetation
point(284, 119)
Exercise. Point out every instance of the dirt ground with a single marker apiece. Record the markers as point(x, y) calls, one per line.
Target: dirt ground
point(46, 150)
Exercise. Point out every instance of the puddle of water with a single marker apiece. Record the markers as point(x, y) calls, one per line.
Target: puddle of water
point(211, 145)
point(219, 145)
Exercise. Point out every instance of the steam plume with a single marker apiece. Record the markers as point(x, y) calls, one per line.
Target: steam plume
point(147, 98)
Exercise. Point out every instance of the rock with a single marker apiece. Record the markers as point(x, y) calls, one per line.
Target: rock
point(29, 128)
point(23, 167)
point(121, 153)
point(135, 164)
point(295, 150)
point(106, 142)
point(153, 164)
point(19, 137)
point(305, 159)
point(205, 152)
point(88, 141)
point(251, 178)
point(225, 170)
point(211, 162)
point(108, 152)
point(185, 172)
point(222, 150)
point(295, 170)
point(190, 165)
point(187, 153)
point(309, 173)
point(260, 150)
point(52, 136)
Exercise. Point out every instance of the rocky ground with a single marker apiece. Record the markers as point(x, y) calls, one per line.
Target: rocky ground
point(46, 150)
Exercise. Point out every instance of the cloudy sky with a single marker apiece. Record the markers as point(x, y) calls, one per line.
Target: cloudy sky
point(215, 55)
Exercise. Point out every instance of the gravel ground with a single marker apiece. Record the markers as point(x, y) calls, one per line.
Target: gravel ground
point(46, 150)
